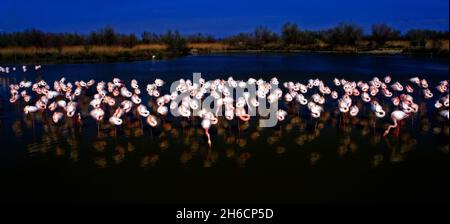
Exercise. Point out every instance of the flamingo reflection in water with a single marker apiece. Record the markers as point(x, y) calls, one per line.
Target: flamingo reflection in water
point(123, 105)
point(61, 138)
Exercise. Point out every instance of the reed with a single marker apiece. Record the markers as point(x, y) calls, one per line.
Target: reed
point(209, 46)
point(147, 51)
point(76, 53)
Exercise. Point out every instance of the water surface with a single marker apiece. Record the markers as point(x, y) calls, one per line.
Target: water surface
point(301, 160)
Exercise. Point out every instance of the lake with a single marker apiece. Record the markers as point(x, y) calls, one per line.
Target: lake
point(301, 160)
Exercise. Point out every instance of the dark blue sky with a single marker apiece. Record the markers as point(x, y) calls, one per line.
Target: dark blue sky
point(217, 17)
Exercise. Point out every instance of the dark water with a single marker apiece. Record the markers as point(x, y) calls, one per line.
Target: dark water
point(332, 159)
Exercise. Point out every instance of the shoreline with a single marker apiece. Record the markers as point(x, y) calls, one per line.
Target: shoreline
point(372, 52)
point(130, 56)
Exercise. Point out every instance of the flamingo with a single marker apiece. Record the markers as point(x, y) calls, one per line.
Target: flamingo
point(206, 124)
point(57, 116)
point(315, 109)
point(424, 83)
point(376, 107)
point(281, 114)
point(30, 109)
point(314, 94)
point(396, 116)
point(97, 114)
point(142, 110)
point(115, 120)
point(427, 94)
point(444, 113)
point(151, 120)
point(365, 97)
point(354, 110)
point(415, 80)
point(71, 108)
point(397, 87)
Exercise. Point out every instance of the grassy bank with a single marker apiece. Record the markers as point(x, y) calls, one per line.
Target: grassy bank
point(89, 53)
point(390, 47)
point(81, 53)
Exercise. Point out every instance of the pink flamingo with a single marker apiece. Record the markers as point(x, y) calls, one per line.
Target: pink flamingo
point(396, 117)
point(57, 116)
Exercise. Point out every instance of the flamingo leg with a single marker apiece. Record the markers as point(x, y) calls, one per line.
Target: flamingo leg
point(397, 131)
point(239, 128)
point(208, 136)
point(389, 127)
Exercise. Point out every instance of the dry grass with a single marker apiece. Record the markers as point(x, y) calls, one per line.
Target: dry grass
point(81, 53)
point(398, 43)
point(112, 50)
point(72, 50)
point(27, 50)
point(441, 44)
point(345, 48)
point(445, 44)
point(322, 44)
point(208, 46)
point(148, 50)
point(149, 47)
point(362, 42)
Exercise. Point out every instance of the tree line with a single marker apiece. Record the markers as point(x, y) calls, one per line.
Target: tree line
point(104, 37)
point(345, 34)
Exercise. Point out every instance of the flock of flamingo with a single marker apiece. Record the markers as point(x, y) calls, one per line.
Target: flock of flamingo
point(117, 99)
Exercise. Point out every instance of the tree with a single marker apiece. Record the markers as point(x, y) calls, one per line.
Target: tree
point(94, 38)
point(290, 33)
point(200, 38)
point(108, 36)
point(424, 34)
point(128, 40)
point(150, 38)
point(56, 41)
point(382, 33)
point(344, 34)
point(240, 40)
point(176, 44)
point(262, 36)
point(307, 37)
